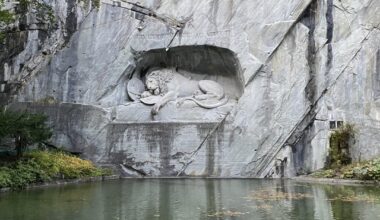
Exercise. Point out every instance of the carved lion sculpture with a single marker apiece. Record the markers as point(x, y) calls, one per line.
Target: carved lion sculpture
point(166, 85)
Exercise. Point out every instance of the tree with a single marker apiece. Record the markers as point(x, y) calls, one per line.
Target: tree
point(25, 128)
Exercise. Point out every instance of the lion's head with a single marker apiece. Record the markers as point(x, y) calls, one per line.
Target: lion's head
point(156, 81)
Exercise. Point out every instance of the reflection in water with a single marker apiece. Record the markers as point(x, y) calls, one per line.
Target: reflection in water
point(210, 197)
point(164, 201)
point(172, 199)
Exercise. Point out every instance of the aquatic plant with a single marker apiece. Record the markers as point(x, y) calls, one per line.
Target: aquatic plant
point(225, 213)
point(274, 195)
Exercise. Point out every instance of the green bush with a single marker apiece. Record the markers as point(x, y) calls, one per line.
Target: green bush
point(42, 166)
point(59, 164)
point(23, 174)
point(368, 170)
point(5, 177)
point(25, 128)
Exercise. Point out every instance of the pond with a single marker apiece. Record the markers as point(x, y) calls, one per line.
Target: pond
point(168, 199)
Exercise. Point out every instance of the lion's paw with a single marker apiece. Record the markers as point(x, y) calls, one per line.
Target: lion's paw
point(155, 109)
point(146, 94)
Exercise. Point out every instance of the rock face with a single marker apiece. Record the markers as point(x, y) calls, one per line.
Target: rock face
point(292, 68)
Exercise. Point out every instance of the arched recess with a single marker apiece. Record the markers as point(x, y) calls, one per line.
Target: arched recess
point(198, 62)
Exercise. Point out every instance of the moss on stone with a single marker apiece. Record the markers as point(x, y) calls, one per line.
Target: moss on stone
point(44, 11)
point(92, 3)
point(48, 100)
point(6, 17)
point(96, 3)
point(329, 173)
point(24, 4)
point(340, 141)
point(2, 37)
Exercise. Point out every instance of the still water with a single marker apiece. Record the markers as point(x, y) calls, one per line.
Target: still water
point(168, 199)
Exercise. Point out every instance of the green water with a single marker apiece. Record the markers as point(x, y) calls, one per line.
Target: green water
point(193, 199)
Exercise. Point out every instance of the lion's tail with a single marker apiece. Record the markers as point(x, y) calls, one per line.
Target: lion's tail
point(210, 106)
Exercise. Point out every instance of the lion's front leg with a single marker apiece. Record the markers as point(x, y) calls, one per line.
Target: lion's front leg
point(170, 96)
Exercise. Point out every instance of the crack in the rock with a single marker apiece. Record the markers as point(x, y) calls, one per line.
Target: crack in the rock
point(269, 58)
point(267, 162)
point(125, 167)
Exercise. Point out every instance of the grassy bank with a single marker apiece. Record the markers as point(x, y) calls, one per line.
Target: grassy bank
point(44, 166)
point(368, 170)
